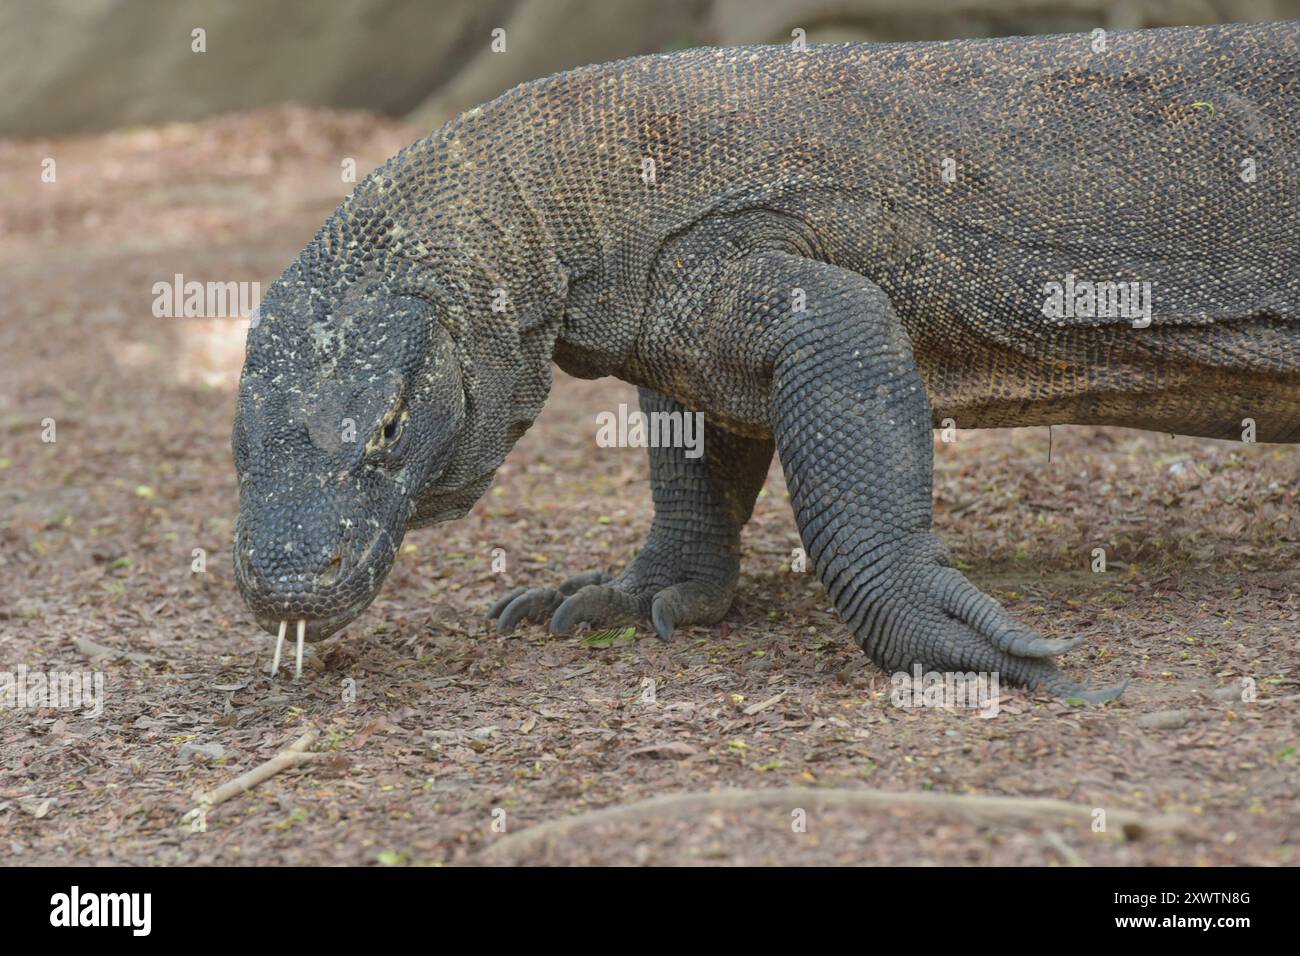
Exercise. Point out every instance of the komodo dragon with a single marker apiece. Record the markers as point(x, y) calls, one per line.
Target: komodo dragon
point(827, 252)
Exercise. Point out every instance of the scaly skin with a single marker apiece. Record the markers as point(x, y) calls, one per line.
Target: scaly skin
point(826, 252)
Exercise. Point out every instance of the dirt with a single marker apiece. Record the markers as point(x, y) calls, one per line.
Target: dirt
point(439, 736)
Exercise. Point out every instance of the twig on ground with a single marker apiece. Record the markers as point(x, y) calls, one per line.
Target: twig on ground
point(92, 650)
point(292, 756)
point(1068, 853)
point(979, 808)
point(1275, 700)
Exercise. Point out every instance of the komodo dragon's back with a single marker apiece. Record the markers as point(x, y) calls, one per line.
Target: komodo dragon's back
point(964, 178)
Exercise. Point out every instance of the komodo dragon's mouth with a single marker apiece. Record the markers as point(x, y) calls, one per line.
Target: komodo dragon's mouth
point(310, 629)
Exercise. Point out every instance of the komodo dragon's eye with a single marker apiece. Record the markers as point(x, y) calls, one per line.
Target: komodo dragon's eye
point(389, 432)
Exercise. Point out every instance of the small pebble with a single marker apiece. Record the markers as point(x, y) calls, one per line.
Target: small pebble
point(1164, 719)
point(211, 751)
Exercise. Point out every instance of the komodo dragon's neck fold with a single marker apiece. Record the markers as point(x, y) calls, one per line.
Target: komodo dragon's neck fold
point(467, 233)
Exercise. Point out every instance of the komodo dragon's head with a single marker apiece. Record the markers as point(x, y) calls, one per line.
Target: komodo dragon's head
point(390, 369)
point(348, 418)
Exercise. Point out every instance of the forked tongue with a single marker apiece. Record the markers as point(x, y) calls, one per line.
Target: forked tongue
point(279, 648)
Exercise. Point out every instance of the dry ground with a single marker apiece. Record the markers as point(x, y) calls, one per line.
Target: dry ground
point(453, 727)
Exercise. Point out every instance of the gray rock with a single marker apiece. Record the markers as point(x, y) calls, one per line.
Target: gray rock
point(69, 65)
point(190, 750)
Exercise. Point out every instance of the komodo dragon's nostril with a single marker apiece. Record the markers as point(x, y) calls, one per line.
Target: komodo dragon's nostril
point(330, 573)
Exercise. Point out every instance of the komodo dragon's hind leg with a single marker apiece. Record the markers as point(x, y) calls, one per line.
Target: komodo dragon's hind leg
point(686, 572)
point(853, 431)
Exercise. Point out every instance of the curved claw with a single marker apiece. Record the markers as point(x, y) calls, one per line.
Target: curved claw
point(565, 617)
point(533, 603)
point(601, 600)
point(1031, 645)
point(538, 607)
point(502, 603)
point(661, 613)
point(595, 604)
point(962, 600)
point(1101, 696)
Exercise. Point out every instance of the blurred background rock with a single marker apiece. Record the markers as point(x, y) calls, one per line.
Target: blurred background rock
point(79, 65)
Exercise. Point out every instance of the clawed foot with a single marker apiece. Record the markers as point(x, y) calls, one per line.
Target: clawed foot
point(933, 617)
point(928, 615)
point(601, 600)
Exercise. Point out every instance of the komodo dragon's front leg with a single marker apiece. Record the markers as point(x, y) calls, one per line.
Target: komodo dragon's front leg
point(853, 430)
point(686, 571)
